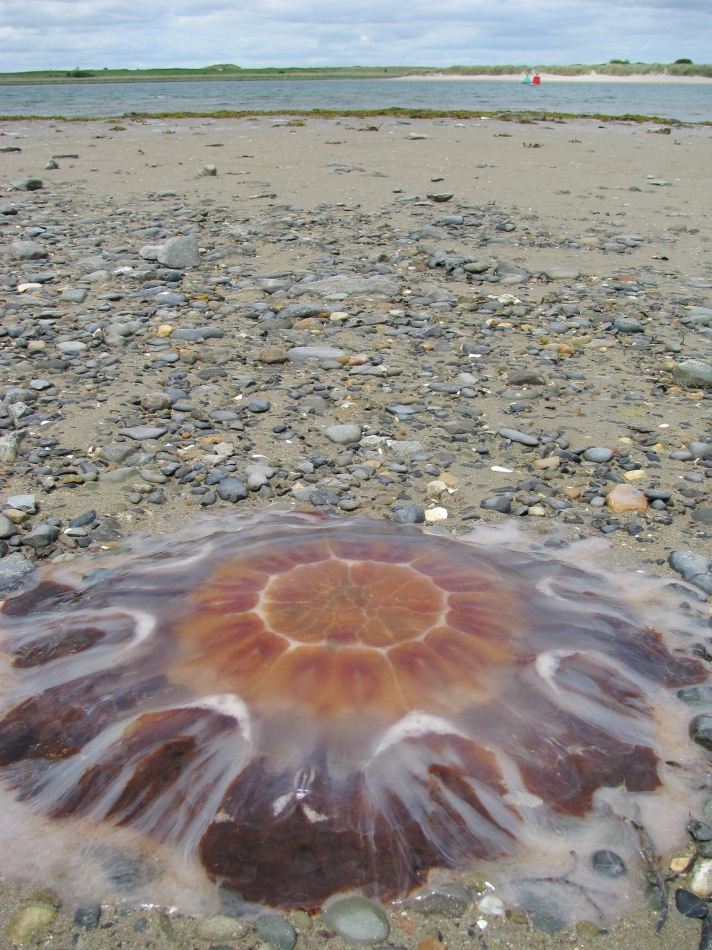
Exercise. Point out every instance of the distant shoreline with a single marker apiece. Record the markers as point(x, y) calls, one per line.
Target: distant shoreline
point(660, 78)
point(700, 74)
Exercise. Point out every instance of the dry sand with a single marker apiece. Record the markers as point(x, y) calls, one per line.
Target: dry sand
point(567, 193)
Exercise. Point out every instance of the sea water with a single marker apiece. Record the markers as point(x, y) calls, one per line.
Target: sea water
point(686, 102)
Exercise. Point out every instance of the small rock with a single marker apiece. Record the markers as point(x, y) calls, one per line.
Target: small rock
point(208, 171)
point(408, 514)
point(689, 905)
point(87, 916)
point(141, 433)
point(433, 515)
point(26, 184)
point(272, 354)
point(27, 251)
point(28, 920)
point(153, 402)
point(694, 568)
point(440, 196)
point(220, 927)
point(259, 405)
point(179, 252)
point(693, 373)
point(562, 273)
point(501, 503)
point(523, 438)
point(299, 354)
point(357, 921)
point(26, 503)
point(599, 455)
point(343, 434)
point(276, 931)
point(700, 881)
point(14, 571)
point(626, 498)
point(607, 863)
point(231, 489)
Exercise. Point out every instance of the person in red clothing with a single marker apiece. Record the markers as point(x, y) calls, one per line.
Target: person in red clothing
point(536, 81)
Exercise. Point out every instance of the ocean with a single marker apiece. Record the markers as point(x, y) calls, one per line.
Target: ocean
point(685, 102)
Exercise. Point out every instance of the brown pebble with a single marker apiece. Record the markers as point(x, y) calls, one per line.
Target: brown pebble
point(272, 354)
point(626, 498)
point(431, 944)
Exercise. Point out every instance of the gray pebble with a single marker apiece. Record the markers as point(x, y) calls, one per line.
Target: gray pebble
point(598, 454)
point(523, 438)
point(14, 571)
point(343, 434)
point(179, 252)
point(501, 503)
point(26, 503)
point(259, 405)
point(27, 251)
point(140, 433)
point(276, 931)
point(231, 489)
point(693, 373)
point(408, 514)
point(358, 921)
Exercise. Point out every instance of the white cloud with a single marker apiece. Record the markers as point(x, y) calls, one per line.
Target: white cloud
point(40, 34)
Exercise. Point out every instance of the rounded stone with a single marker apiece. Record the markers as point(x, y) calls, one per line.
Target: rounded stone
point(276, 931)
point(343, 434)
point(701, 731)
point(562, 273)
point(358, 921)
point(259, 405)
point(220, 927)
point(599, 455)
point(693, 373)
point(409, 514)
point(607, 863)
point(28, 920)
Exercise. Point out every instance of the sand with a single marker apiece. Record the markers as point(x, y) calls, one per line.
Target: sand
point(570, 177)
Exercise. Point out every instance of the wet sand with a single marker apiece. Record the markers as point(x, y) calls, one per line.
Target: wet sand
point(349, 197)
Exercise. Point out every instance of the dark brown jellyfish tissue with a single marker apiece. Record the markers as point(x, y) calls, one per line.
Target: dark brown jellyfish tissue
point(295, 706)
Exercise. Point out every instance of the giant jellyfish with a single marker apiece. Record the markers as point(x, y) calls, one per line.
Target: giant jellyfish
point(299, 706)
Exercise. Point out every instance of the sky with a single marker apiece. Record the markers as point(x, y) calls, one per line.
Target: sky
point(63, 34)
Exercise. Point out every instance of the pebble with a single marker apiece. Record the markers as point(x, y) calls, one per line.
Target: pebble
point(344, 434)
point(143, 433)
point(599, 455)
point(523, 438)
point(179, 252)
point(607, 863)
point(28, 920)
point(693, 373)
point(408, 514)
point(220, 927)
point(87, 916)
point(357, 921)
point(689, 905)
point(694, 568)
point(562, 273)
point(27, 251)
point(276, 931)
point(626, 498)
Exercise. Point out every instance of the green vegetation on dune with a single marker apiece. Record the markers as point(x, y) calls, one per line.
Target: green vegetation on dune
point(228, 71)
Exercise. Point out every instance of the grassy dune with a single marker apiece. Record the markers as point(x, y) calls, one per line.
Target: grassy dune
point(227, 71)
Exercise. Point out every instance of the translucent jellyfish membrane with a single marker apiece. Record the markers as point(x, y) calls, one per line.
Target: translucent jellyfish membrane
point(297, 706)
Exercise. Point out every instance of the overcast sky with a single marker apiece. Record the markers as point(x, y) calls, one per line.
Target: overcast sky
point(61, 34)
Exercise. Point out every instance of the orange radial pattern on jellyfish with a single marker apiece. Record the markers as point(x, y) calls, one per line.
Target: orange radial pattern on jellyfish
point(315, 705)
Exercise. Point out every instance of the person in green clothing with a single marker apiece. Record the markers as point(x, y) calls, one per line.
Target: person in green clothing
point(527, 78)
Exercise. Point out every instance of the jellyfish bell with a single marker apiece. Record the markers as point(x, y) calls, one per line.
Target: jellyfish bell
point(295, 706)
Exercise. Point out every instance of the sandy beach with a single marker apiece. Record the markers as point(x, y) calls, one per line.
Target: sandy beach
point(512, 320)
